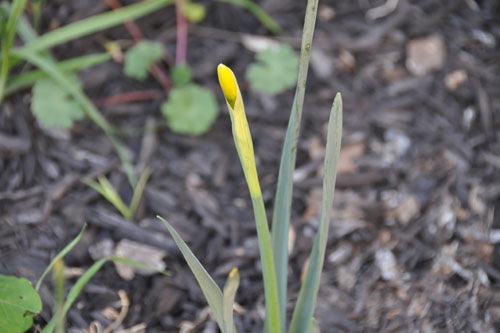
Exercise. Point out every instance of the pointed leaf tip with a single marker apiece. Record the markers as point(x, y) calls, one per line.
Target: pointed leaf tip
point(228, 84)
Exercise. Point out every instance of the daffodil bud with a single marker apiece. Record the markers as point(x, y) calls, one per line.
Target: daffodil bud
point(228, 83)
point(241, 131)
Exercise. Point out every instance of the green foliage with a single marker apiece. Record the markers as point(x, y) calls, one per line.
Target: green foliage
point(210, 289)
point(275, 70)
point(304, 310)
point(140, 57)
point(19, 302)
point(258, 12)
point(106, 189)
point(181, 75)
point(194, 12)
point(190, 109)
point(53, 106)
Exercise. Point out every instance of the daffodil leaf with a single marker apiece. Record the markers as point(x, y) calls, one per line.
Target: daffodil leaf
point(139, 58)
point(275, 70)
point(53, 106)
point(190, 109)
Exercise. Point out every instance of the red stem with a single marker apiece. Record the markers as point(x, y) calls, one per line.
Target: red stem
point(182, 34)
point(131, 96)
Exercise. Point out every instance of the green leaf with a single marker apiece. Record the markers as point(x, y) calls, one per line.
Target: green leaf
point(283, 197)
point(54, 107)
point(181, 75)
point(210, 289)
point(140, 57)
point(304, 310)
point(194, 12)
point(190, 109)
point(82, 282)
point(229, 294)
point(258, 12)
point(60, 255)
point(94, 24)
point(19, 302)
point(27, 79)
point(275, 70)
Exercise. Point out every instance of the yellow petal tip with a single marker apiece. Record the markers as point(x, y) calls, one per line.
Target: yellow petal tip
point(228, 83)
point(233, 272)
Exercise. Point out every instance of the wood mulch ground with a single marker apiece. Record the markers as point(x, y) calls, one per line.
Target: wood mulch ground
point(415, 236)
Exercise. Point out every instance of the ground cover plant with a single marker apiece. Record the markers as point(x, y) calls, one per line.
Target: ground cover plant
point(413, 241)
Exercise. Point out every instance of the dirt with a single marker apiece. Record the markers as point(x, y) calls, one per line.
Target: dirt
point(414, 242)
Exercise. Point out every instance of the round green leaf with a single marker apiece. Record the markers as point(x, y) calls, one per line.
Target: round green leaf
point(190, 109)
point(19, 302)
point(54, 107)
point(140, 57)
point(275, 70)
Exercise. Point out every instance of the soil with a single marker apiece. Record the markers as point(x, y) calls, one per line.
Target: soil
point(415, 232)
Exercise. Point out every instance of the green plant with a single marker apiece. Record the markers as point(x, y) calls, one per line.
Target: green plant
point(190, 109)
point(273, 244)
point(274, 71)
point(20, 302)
point(58, 79)
point(106, 189)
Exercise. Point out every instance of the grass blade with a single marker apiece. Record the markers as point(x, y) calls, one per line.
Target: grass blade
point(60, 255)
point(138, 191)
point(210, 289)
point(94, 24)
point(304, 310)
point(27, 79)
point(9, 33)
point(229, 294)
point(259, 13)
point(283, 197)
point(82, 282)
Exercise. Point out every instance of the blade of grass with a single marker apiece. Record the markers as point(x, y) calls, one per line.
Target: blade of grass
point(27, 79)
point(104, 187)
point(210, 289)
point(259, 13)
point(59, 281)
point(283, 197)
point(94, 24)
point(7, 42)
point(60, 255)
point(138, 190)
point(82, 282)
point(229, 294)
point(304, 309)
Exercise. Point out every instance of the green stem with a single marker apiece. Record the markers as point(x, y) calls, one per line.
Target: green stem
point(283, 198)
point(273, 317)
point(8, 41)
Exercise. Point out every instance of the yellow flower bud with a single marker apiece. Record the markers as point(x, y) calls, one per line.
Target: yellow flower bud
point(228, 83)
point(241, 132)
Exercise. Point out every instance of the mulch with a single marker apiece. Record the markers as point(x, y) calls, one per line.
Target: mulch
point(414, 242)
